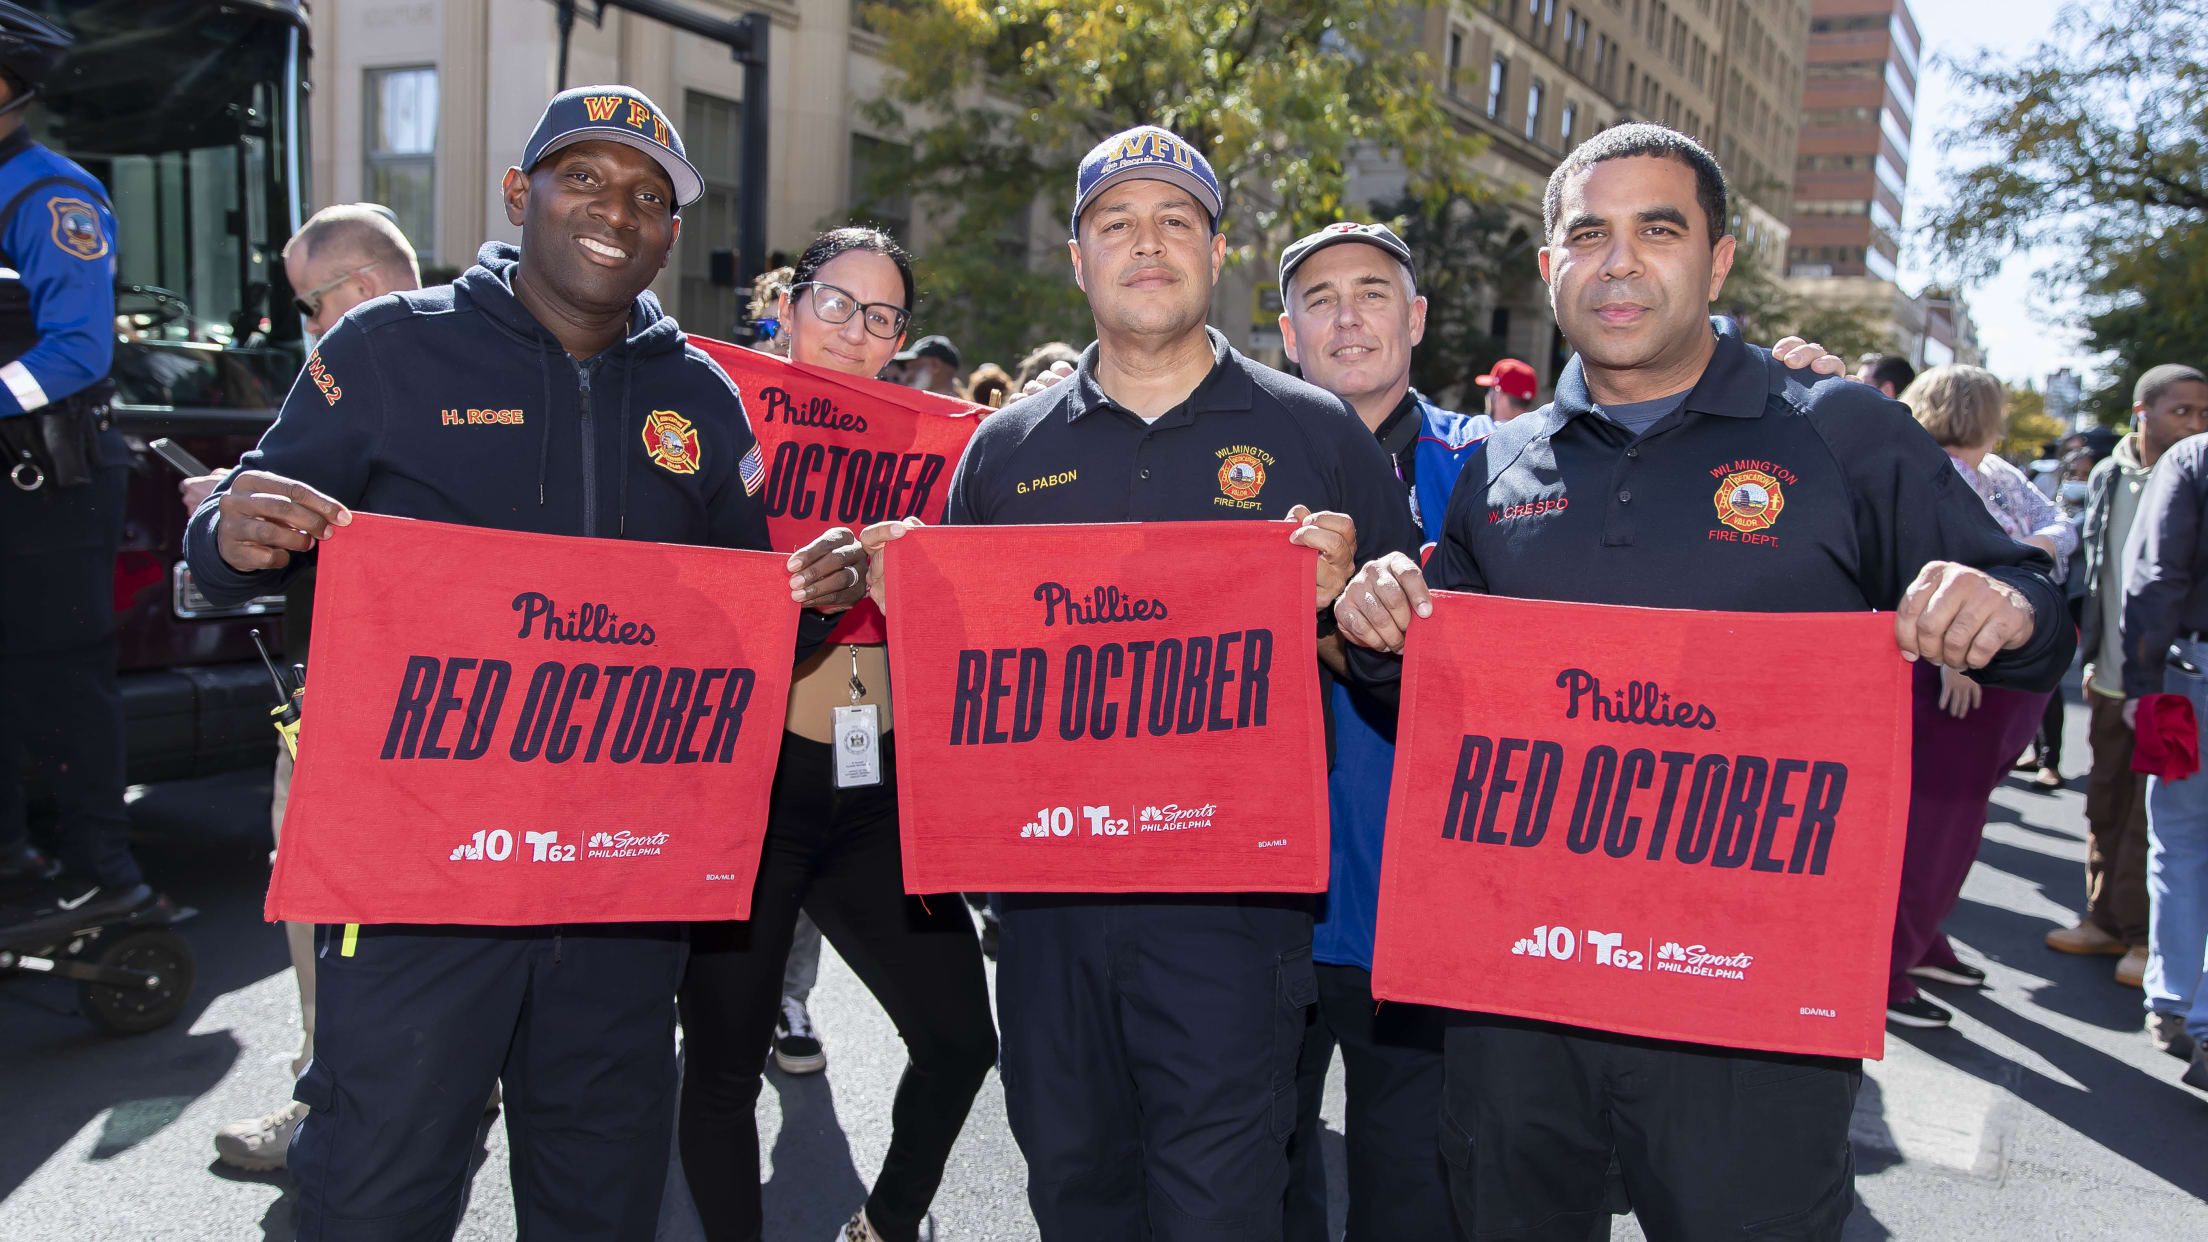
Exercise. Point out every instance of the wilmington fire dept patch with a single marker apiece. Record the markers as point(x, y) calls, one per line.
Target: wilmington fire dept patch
point(77, 227)
point(1749, 500)
point(672, 441)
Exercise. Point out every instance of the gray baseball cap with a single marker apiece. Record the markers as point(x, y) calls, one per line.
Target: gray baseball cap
point(1334, 235)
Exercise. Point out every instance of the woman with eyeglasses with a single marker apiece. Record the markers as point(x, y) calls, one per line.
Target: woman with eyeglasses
point(834, 853)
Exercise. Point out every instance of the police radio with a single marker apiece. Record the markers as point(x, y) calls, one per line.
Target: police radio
point(290, 688)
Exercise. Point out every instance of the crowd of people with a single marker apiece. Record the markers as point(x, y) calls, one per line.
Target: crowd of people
point(1163, 1059)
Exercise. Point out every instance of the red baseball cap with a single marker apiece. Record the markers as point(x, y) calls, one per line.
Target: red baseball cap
point(1512, 376)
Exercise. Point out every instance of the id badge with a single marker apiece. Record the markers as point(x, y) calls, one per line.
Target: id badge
point(858, 732)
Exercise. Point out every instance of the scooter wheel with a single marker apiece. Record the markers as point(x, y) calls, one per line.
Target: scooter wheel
point(134, 1011)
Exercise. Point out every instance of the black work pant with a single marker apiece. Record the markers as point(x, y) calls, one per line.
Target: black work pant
point(834, 852)
point(576, 1023)
point(58, 701)
point(1391, 1055)
point(1711, 1142)
point(1150, 1048)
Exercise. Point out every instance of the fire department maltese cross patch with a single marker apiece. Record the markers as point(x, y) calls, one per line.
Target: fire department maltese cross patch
point(672, 441)
point(77, 227)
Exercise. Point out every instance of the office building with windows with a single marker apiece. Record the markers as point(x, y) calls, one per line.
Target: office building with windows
point(1859, 99)
point(1538, 77)
point(422, 104)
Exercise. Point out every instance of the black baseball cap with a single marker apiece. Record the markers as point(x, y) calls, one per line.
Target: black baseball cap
point(1334, 235)
point(620, 114)
point(937, 347)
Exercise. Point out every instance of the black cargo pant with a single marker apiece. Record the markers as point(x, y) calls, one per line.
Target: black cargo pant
point(1149, 1066)
point(1391, 1057)
point(576, 1023)
point(1710, 1142)
point(58, 701)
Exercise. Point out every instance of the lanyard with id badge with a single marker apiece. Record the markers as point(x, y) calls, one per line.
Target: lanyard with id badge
point(858, 734)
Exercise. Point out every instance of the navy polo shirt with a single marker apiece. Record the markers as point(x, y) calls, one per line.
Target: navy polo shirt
point(1760, 493)
point(1249, 443)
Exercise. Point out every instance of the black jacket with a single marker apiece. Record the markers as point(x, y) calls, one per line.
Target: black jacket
point(1846, 499)
point(2166, 583)
point(453, 404)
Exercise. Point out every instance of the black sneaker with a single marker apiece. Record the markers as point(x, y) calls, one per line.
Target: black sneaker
point(1918, 1012)
point(66, 905)
point(1957, 975)
point(797, 1046)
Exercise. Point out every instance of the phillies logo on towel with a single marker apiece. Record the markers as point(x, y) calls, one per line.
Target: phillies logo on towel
point(1129, 708)
point(521, 729)
point(844, 451)
point(1683, 825)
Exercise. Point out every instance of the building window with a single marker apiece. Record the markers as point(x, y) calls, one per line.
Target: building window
point(1533, 109)
point(711, 127)
point(1498, 74)
point(1456, 58)
point(1568, 120)
point(401, 171)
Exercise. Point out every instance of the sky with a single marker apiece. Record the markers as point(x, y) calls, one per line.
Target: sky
point(2019, 323)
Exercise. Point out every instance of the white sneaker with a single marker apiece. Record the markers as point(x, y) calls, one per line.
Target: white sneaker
point(797, 1046)
point(259, 1144)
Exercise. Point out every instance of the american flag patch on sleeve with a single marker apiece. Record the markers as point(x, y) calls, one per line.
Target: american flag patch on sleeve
point(753, 470)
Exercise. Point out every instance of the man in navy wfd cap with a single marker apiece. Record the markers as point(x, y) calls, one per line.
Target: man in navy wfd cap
point(577, 1022)
point(1150, 1040)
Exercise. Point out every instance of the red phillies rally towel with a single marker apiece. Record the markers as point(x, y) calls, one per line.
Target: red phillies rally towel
point(2168, 741)
point(520, 729)
point(1128, 708)
point(837, 450)
point(1683, 825)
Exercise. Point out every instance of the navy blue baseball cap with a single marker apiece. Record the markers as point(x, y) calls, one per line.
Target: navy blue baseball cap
point(614, 114)
point(1146, 153)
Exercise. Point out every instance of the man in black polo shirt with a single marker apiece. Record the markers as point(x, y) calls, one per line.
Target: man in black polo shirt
point(1150, 1043)
point(1605, 496)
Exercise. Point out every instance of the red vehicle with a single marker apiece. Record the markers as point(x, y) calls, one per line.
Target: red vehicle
point(191, 112)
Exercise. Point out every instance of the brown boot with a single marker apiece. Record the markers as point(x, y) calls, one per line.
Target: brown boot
point(2086, 939)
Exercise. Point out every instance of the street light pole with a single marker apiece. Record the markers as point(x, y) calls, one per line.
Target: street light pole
point(746, 39)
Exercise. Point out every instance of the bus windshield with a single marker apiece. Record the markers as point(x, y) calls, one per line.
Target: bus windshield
point(188, 112)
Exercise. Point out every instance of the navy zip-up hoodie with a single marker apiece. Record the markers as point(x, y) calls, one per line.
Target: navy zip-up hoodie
point(453, 404)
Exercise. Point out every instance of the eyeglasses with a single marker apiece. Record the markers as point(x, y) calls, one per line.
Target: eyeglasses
point(834, 305)
point(309, 304)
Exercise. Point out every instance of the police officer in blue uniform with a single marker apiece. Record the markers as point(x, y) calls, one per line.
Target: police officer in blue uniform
point(61, 515)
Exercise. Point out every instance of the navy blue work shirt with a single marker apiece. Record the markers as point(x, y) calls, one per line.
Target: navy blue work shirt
point(1760, 493)
point(1249, 443)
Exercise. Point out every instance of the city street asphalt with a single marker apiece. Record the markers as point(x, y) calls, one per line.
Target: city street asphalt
point(2042, 1114)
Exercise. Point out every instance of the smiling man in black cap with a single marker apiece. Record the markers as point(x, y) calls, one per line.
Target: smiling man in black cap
point(563, 340)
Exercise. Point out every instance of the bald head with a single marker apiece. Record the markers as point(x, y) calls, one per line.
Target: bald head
point(346, 255)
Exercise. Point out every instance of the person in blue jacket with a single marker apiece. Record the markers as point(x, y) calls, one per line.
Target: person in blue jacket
point(61, 517)
point(535, 393)
point(1351, 314)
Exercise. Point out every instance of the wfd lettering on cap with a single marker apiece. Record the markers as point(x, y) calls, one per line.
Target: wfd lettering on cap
point(1160, 145)
point(602, 108)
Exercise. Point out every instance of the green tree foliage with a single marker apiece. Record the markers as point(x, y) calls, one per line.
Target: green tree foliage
point(1000, 100)
point(1466, 249)
point(2094, 147)
point(2030, 425)
point(1766, 309)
